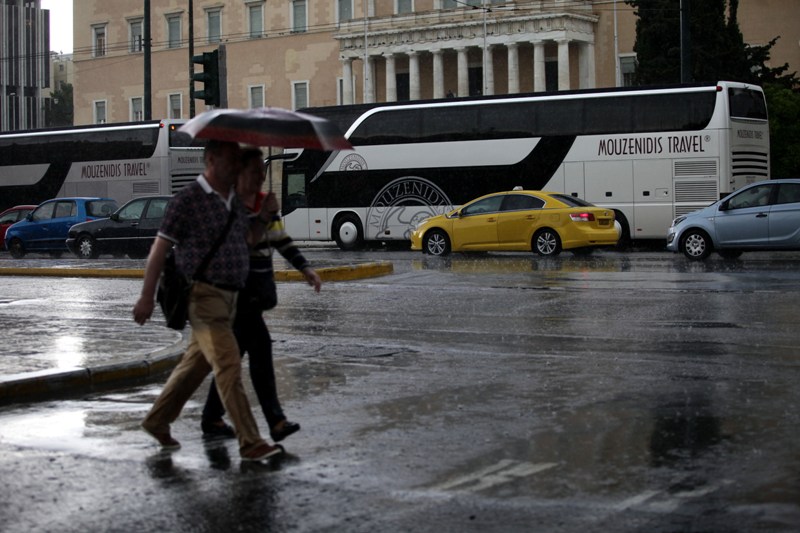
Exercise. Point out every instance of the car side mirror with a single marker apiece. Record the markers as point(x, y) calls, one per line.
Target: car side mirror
point(114, 217)
point(723, 206)
point(29, 217)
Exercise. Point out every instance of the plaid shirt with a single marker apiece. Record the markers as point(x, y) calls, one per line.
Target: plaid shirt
point(193, 220)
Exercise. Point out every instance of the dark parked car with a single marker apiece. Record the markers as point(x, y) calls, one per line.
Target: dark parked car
point(45, 229)
point(128, 231)
point(12, 215)
point(763, 216)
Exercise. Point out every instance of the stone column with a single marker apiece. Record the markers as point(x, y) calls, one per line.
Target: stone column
point(413, 75)
point(347, 81)
point(539, 80)
point(563, 65)
point(513, 68)
point(369, 86)
point(438, 74)
point(391, 79)
point(488, 63)
point(463, 72)
point(586, 66)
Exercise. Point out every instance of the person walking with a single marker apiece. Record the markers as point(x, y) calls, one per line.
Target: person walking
point(251, 332)
point(195, 217)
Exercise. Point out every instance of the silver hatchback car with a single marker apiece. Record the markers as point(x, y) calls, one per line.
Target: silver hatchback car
point(762, 216)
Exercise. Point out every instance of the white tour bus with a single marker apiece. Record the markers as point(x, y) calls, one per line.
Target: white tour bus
point(647, 153)
point(119, 161)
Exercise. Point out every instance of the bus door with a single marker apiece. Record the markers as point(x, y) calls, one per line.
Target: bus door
point(296, 215)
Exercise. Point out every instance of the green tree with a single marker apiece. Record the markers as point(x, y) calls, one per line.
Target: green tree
point(61, 107)
point(719, 52)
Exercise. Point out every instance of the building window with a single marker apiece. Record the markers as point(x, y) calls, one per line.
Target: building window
point(256, 15)
point(174, 31)
point(256, 96)
point(135, 36)
point(99, 40)
point(299, 94)
point(345, 10)
point(299, 16)
point(627, 70)
point(175, 106)
point(339, 91)
point(449, 4)
point(404, 6)
point(137, 107)
point(214, 23)
point(100, 112)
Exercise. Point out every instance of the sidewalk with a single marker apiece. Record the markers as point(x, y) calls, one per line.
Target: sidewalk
point(150, 350)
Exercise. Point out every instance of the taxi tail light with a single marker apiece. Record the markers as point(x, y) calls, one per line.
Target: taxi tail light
point(582, 217)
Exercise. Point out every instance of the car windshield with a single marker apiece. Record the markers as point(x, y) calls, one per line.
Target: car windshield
point(100, 208)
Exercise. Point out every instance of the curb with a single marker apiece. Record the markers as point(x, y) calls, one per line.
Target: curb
point(49, 384)
point(337, 273)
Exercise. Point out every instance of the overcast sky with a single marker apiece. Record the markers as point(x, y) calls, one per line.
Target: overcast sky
point(60, 24)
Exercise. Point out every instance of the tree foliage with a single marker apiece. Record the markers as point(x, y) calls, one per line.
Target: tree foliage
point(61, 107)
point(719, 52)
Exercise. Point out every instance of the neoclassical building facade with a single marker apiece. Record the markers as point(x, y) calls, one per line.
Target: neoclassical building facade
point(301, 53)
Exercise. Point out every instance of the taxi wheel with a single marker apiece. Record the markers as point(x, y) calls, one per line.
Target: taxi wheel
point(696, 244)
point(437, 243)
point(16, 249)
point(546, 242)
point(87, 247)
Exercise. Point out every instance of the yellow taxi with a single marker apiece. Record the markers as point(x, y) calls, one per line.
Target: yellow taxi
point(544, 222)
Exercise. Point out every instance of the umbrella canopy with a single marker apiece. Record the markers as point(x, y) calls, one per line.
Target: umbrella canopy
point(267, 126)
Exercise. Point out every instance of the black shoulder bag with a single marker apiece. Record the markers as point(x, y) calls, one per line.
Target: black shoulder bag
point(174, 287)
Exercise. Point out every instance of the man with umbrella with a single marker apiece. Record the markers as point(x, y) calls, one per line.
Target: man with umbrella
point(195, 217)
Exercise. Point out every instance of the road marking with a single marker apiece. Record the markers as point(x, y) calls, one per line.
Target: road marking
point(504, 471)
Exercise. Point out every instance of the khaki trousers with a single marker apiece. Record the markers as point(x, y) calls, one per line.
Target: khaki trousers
point(212, 346)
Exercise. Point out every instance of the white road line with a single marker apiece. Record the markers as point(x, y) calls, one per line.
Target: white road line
point(502, 472)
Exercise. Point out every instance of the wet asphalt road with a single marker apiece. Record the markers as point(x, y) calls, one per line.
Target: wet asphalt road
point(621, 392)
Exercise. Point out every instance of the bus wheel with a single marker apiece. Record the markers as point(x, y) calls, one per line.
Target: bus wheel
point(696, 244)
point(87, 247)
point(624, 228)
point(436, 243)
point(348, 233)
point(546, 242)
point(16, 249)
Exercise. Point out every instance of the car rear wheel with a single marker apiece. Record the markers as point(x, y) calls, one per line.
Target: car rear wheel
point(16, 248)
point(696, 245)
point(546, 242)
point(87, 247)
point(436, 243)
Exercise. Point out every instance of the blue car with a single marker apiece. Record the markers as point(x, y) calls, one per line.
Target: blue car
point(46, 228)
point(762, 216)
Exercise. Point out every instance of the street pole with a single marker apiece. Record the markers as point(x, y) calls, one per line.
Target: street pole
point(617, 79)
point(148, 104)
point(191, 54)
point(485, 88)
point(366, 56)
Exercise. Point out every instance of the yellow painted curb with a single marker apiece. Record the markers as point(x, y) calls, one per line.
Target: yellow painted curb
point(338, 273)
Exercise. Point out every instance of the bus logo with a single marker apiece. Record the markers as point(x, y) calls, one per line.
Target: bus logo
point(353, 162)
point(403, 203)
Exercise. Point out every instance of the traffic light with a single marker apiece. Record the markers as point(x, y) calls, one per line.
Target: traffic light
point(209, 78)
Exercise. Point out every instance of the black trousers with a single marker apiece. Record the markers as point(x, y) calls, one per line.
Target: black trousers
point(253, 337)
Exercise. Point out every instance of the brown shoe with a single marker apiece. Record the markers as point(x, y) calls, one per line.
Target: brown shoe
point(164, 439)
point(261, 452)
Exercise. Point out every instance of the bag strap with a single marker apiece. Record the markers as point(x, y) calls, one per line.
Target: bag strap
point(217, 244)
